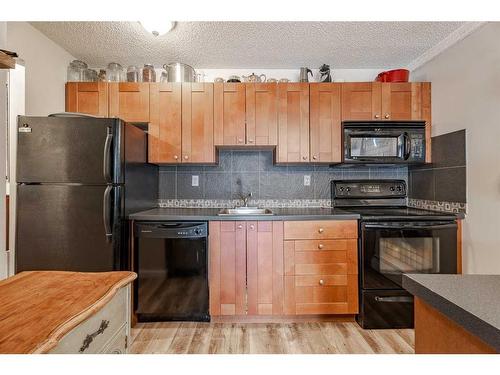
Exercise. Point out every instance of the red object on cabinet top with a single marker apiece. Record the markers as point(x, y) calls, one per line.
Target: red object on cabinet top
point(396, 75)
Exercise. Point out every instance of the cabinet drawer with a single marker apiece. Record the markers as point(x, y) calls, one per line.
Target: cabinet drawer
point(118, 343)
point(321, 245)
point(323, 308)
point(108, 320)
point(321, 269)
point(315, 280)
point(326, 229)
point(320, 294)
point(309, 257)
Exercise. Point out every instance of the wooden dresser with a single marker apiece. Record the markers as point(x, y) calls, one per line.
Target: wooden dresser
point(65, 312)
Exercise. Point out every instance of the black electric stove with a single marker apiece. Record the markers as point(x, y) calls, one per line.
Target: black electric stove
point(393, 240)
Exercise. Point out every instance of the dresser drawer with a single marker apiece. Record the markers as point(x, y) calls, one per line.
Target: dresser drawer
point(325, 229)
point(315, 280)
point(325, 245)
point(323, 257)
point(321, 269)
point(118, 343)
point(90, 336)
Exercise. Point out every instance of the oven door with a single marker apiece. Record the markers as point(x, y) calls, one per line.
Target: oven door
point(376, 146)
point(390, 249)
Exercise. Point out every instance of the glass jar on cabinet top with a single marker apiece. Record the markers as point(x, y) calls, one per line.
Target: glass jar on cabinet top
point(134, 74)
point(148, 73)
point(115, 72)
point(76, 71)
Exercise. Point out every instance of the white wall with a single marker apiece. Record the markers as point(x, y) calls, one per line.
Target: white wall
point(3, 122)
point(466, 95)
point(46, 64)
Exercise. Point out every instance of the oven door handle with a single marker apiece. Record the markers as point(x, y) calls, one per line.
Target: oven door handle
point(407, 146)
point(416, 226)
point(393, 299)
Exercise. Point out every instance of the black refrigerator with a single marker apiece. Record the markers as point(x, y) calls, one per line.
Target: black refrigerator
point(78, 178)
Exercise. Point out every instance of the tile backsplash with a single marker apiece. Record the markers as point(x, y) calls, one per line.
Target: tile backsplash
point(442, 183)
point(241, 172)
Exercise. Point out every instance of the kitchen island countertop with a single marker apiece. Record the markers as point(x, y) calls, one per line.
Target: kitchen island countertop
point(471, 301)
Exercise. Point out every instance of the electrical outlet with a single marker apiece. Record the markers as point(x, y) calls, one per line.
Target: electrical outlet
point(307, 180)
point(195, 180)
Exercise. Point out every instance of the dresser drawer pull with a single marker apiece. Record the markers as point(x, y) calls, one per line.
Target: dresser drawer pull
point(321, 230)
point(88, 340)
point(321, 246)
point(321, 282)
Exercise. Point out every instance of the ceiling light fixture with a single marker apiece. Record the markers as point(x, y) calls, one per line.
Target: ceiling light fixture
point(157, 27)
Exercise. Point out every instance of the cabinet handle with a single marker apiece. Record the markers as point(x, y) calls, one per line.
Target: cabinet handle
point(320, 246)
point(387, 115)
point(252, 227)
point(250, 141)
point(321, 230)
point(377, 116)
point(186, 157)
point(240, 226)
point(89, 338)
point(176, 157)
point(240, 140)
point(321, 282)
point(304, 157)
point(315, 157)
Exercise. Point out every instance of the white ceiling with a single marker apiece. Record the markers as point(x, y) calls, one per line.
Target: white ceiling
point(343, 45)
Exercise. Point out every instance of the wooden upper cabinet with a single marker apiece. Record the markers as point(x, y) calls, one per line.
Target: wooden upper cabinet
point(227, 274)
point(165, 123)
point(229, 114)
point(402, 101)
point(198, 123)
point(87, 97)
point(129, 101)
point(261, 114)
point(361, 101)
point(265, 267)
point(325, 122)
point(293, 123)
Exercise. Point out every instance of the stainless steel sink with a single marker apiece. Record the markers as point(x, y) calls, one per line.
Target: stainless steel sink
point(245, 211)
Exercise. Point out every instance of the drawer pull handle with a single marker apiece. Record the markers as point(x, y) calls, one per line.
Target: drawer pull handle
point(240, 226)
point(321, 230)
point(320, 246)
point(88, 340)
point(321, 282)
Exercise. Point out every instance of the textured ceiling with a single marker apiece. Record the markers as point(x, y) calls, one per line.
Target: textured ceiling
point(355, 45)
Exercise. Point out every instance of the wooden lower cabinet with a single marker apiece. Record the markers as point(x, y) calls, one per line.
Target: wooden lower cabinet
point(256, 269)
point(320, 267)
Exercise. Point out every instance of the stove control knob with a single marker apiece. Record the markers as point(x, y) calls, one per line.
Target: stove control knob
point(392, 188)
point(348, 189)
point(400, 188)
point(197, 231)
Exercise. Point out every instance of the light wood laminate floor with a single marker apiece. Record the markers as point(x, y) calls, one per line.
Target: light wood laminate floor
point(267, 338)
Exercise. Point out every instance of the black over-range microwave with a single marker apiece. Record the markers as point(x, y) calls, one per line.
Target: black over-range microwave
point(384, 142)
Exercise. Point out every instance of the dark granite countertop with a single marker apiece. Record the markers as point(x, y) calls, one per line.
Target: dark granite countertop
point(182, 214)
point(472, 301)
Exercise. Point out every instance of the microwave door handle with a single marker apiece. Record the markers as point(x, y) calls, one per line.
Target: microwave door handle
point(407, 146)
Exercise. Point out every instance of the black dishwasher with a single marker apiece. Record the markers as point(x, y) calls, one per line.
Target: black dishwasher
point(170, 259)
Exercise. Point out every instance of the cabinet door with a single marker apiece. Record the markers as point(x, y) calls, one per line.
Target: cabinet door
point(361, 101)
point(129, 101)
point(261, 114)
point(164, 135)
point(87, 97)
point(325, 127)
point(409, 101)
point(265, 267)
point(198, 123)
point(229, 113)
point(227, 279)
point(293, 123)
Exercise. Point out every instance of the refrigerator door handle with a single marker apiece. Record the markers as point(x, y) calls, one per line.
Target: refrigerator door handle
point(106, 158)
point(106, 213)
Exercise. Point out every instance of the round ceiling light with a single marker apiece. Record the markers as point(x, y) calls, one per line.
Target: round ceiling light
point(157, 27)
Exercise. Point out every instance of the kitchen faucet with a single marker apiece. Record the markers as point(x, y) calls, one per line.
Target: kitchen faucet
point(245, 199)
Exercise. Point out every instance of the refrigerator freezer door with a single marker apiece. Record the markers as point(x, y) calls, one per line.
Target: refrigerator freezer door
point(62, 150)
point(62, 227)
